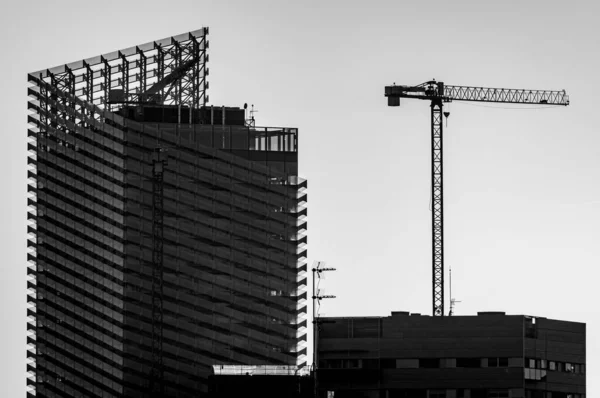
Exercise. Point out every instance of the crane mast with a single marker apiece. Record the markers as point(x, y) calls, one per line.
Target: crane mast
point(438, 94)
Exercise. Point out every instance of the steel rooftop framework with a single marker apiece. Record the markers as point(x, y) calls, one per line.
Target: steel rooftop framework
point(135, 69)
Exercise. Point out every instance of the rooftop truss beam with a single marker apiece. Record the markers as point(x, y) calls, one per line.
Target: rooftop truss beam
point(137, 68)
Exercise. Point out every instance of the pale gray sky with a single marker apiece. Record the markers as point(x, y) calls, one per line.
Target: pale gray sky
point(522, 198)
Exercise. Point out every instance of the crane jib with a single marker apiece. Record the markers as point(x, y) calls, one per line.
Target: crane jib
point(433, 90)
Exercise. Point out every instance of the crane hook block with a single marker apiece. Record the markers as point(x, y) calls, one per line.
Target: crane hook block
point(393, 101)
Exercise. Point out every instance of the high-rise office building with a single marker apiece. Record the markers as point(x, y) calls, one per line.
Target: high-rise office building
point(166, 236)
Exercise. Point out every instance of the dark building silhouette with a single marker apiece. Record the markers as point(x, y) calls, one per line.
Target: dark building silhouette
point(488, 355)
point(166, 236)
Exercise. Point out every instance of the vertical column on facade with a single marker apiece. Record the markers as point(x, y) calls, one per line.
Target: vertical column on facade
point(88, 91)
point(195, 80)
point(180, 50)
point(124, 69)
point(160, 66)
point(143, 74)
point(204, 67)
point(106, 72)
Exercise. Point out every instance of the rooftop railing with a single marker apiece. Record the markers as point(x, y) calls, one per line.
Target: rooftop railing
point(261, 370)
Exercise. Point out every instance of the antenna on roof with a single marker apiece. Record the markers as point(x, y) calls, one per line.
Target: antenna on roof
point(452, 300)
point(317, 297)
point(250, 122)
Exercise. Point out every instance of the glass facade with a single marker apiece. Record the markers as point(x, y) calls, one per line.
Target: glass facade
point(233, 234)
point(77, 259)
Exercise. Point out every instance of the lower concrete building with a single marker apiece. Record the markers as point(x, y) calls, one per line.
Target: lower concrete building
point(488, 355)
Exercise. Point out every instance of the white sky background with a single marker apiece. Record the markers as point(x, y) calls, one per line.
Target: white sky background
point(522, 193)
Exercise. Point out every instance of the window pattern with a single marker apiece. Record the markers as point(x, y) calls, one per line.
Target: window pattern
point(551, 394)
point(234, 233)
point(498, 394)
point(497, 362)
point(447, 393)
point(422, 363)
point(537, 365)
point(453, 393)
point(76, 259)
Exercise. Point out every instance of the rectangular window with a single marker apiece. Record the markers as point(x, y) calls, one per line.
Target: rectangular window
point(533, 374)
point(479, 393)
point(437, 394)
point(429, 363)
point(542, 364)
point(468, 362)
point(370, 364)
point(350, 363)
point(534, 394)
point(515, 362)
point(569, 367)
point(552, 365)
point(407, 363)
point(497, 362)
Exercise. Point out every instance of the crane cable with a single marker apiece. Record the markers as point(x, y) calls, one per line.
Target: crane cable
point(493, 107)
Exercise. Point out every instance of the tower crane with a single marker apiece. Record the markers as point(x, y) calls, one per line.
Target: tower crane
point(438, 94)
